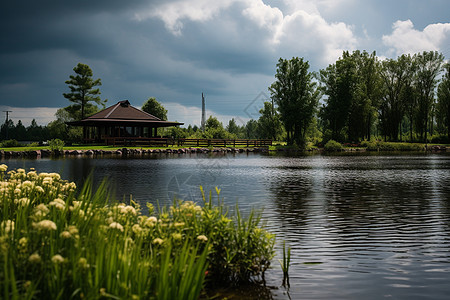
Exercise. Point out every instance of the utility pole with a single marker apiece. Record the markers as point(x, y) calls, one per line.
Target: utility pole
point(203, 114)
point(6, 122)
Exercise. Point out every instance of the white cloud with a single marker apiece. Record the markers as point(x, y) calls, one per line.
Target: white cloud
point(405, 39)
point(310, 33)
point(173, 13)
point(263, 15)
point(299, 30)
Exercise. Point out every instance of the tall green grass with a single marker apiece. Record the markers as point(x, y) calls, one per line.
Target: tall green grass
point(60, 242)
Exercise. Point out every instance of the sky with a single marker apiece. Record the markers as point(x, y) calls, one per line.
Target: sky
point(177, 50)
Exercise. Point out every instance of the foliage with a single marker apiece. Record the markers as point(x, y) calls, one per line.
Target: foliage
point(153, 107)
point(82, 89)
point(57, 245)
point(56, 145)
point(390, 146)
point(395, 74)
point(297, 96)
point(352, 89)
point(443, 104)
point(235, 129)
point(428, 69)
point(269, 123)
point(10, 144)
point(333, 146)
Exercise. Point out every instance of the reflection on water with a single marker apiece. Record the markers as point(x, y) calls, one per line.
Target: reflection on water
point(360, 227)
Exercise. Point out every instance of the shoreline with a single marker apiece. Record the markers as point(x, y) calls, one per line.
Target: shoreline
point(124, 152)
point(133, 152)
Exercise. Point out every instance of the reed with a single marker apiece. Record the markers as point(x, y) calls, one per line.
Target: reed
point(58, 242)
point(285, 263)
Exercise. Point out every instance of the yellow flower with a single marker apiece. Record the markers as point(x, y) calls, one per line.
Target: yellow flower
point(55, 176)
point(23, 202)
point(82, 262)
point(57, 259)
point(176, 236)
point(34, 258)
point(116, 225)
point(179, 224)
point(202, 238)
point(158, 241)
point(58, 204)
point(150, 222)
point(32, 175)
point(3, 168)
point(45, 225)
point(65, 235)
point(8, 225)
point(127, 210)
point(23, 242)
point(73, 229)
point(137, 229)
point(27, 184)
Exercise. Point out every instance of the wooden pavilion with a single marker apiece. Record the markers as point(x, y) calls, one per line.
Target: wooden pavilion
point(121, 124)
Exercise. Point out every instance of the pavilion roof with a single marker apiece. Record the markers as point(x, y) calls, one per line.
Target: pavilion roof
point(124, 114)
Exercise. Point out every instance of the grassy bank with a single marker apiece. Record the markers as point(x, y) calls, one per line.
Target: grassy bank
point(60, 242)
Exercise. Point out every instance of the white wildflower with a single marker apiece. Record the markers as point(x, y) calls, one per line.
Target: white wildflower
point(45, 225)
point(34, 258)
point(202, 238)
point(57, 259)
point(116, 225)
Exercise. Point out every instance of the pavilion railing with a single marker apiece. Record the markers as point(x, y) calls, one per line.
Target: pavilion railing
point(224, 143)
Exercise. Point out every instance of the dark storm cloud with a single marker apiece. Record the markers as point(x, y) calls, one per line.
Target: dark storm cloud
point(175, 50)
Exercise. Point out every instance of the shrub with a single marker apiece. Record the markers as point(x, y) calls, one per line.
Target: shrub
point(56, 145)
point(10, 144)
point(333, 146)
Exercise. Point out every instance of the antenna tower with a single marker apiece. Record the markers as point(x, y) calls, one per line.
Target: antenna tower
point(203, 113)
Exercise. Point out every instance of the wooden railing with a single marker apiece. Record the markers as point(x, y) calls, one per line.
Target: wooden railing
point(223, 143)
point(166, 142)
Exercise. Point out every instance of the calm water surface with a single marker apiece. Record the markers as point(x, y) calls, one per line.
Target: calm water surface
point(360, 227)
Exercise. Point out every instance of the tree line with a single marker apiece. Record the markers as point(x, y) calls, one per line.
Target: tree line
point(359, 97)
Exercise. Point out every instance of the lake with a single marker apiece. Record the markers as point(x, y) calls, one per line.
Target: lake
point(360, 226)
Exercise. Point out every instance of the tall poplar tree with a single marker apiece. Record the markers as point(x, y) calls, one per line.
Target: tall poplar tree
point(429, 66)
point(82, 88)
point(297, 97)
point(444, 100)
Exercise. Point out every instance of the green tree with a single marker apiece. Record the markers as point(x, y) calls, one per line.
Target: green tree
point(251, 129)
point(7, 130)
point(20, 131)
point(296, 96)
point(408, 94)
point(233, 128)
point(153, 107)
point(443, 104)
point(366, 95)
point(82, 89)
point(36, 132)
point(394, 74)
point(269, 123)
point(213, 123)
point(429, 66)
point(338, 84)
